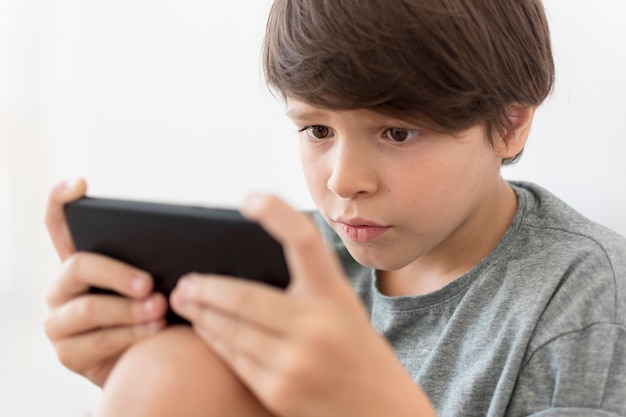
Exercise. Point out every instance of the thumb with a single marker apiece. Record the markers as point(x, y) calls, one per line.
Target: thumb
point(58, 229)
point(313, 267)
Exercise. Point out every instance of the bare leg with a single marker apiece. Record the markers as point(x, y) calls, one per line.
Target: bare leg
point(174, 373)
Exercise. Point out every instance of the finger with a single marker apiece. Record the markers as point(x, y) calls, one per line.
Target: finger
point(82, 352)
point(259, 344)
point(256, 303)
point(312, 266)
point(255, 374)
point(83, 270)
point(59, 232)
point(90, 312)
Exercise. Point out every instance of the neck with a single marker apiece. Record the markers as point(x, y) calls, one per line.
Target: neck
point(457, 254)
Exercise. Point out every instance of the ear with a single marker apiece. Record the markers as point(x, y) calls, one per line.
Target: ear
point(513, 142)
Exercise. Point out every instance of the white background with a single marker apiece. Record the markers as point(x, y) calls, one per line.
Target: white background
point(164, 100)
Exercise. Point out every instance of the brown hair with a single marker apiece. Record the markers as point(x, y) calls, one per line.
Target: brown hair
point(451, 64)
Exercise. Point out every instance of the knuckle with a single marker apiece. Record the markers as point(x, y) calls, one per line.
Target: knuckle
point(141, 311)
point(295, 366)
point(240, 299)
point(67, 272)
point(51, 294)
point(283, 396)
point(50, 325)
point(85, 307)
point(73, 264)
point(133, 334)
point(299, 376)
point(107, 343)
point(50, 218)
point(68, 357)
point(294, 380)
point(135, 311)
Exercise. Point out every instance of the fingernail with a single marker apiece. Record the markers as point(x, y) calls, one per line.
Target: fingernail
point(69, 184)
point(139, 283)
point(179, 301)
point(253, 203)
point(185, 285)
point(148, 306)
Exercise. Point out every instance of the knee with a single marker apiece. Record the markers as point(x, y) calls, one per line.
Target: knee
point(175, 373)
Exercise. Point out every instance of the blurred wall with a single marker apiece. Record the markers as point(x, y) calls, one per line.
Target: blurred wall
point(164, 100)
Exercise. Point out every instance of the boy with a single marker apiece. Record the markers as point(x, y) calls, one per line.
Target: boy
point(477, 297)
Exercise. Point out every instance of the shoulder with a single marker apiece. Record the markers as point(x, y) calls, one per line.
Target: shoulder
point(551, 226)
point(571, 278)
point(545, 212)
point(584, 262)
point(564, 233)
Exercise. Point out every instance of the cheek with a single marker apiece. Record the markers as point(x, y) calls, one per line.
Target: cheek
point(441, 182)
point(314, 173)
point(468, 179)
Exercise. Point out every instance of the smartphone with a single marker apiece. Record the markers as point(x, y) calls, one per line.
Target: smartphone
point(169, 240)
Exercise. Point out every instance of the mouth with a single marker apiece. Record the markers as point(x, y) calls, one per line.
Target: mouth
point(361, 231)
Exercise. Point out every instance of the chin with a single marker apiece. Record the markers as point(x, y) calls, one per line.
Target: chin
point(377, 259)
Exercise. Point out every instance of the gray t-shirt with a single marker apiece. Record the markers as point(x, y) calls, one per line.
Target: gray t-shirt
point(537, 328)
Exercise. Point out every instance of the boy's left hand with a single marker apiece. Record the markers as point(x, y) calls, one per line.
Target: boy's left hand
point(306, 351)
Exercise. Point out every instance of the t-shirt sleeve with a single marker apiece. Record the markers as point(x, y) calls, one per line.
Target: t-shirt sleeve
point(579, 373)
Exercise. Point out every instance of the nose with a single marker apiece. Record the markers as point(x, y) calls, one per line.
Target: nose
point(353, 170)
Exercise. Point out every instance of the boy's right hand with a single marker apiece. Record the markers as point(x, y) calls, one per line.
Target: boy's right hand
point(91, 331)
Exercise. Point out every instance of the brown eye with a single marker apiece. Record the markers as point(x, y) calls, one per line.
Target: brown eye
point(400, 135)
point(318, 132)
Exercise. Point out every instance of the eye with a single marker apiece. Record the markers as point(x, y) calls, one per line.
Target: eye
point(399, 135)
point(316, 131)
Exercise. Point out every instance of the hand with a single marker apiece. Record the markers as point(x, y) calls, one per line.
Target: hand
point(91, 331)
point(307, 351)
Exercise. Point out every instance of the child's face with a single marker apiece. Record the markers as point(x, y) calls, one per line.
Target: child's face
point(391, 190)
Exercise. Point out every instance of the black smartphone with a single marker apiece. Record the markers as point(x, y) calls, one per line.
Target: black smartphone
point(169, 240)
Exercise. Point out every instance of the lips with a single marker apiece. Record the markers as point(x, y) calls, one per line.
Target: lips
point(361, 231)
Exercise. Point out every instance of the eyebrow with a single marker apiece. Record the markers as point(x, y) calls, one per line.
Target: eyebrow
point(295, 114)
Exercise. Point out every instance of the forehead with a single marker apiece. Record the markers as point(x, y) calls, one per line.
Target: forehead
point(298, 109)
